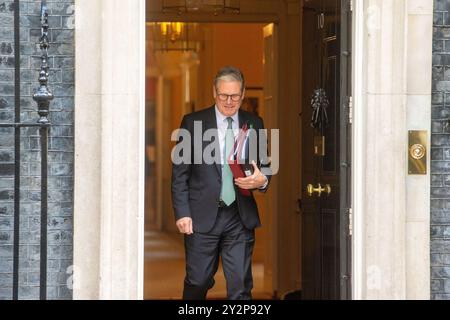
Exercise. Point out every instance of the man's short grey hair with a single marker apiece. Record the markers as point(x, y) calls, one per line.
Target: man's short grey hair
point(230, 73)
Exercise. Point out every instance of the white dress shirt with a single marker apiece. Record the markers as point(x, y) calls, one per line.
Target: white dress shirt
point(222, 125)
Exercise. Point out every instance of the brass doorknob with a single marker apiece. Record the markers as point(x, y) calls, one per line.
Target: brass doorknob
point(417, 151)
point(311, 190)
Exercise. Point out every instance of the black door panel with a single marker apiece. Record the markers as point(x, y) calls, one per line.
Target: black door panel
point(324, 242)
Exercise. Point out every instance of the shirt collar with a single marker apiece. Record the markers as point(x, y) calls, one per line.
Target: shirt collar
point(221, 118)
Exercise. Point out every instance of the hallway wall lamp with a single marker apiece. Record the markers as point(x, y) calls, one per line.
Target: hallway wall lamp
point(175, 36)
point(172, 30)
point(214, 6)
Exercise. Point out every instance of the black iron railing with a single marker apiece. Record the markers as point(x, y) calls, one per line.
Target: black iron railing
point(43, 97)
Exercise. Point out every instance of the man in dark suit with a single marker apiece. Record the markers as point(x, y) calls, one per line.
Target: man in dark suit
point(216, 219)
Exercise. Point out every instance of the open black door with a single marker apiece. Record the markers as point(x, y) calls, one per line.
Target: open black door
point(326, 149)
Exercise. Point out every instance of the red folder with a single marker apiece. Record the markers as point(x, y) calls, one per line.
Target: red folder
point(235, 154)
point(237, 171)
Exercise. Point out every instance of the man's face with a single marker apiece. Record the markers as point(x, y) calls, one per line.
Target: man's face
point(228, 97)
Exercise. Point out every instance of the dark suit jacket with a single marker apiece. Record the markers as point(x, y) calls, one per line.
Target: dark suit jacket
point(196, 187)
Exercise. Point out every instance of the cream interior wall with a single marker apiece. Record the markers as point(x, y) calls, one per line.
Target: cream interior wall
point(240, 45)
point(236, 44)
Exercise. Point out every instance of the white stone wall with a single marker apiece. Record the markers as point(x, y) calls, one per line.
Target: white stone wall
point(393, 95)
point(109, 146)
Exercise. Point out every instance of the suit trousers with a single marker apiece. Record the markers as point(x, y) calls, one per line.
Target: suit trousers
point(231, 241)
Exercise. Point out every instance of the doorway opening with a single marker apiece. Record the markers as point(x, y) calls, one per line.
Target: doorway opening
point(303, 250)
point(182, 59)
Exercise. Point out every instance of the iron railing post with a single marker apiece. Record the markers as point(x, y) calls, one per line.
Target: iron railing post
point(43, 97)
point(16, 241)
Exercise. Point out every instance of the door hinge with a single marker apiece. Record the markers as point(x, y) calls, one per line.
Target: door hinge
point(350, 221)
point(350, 110)
point(350, 5)
point(320, 21)
point(299, 205)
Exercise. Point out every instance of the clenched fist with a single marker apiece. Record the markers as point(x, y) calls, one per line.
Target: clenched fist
point(184, 225)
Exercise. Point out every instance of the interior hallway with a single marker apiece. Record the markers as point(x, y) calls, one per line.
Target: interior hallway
point(175, 85)
point(164, 270)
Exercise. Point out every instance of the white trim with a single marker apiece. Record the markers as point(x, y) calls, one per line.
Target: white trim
point(109, 150)
point(87, 177)
point(141, 213)
point(358, 142)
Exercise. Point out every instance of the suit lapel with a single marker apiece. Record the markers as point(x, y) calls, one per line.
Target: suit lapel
point(211, 123)
point(242, 118)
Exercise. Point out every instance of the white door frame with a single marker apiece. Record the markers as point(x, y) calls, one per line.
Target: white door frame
point(357, 148)
point(109, 142)
point(392, 51)
point(109, 149)
point(109, 192)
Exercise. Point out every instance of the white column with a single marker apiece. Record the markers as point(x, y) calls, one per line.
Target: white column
point(117, 163)
point(123, 63)
point(391, 235)
point(385, 150)
point(87, 182)
point(419, 66)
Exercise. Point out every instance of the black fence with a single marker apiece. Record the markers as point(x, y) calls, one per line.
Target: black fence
point(42, 97)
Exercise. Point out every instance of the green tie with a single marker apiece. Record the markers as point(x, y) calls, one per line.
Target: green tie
point(228, 193)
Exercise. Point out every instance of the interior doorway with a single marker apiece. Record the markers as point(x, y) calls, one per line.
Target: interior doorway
point(182, 59)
